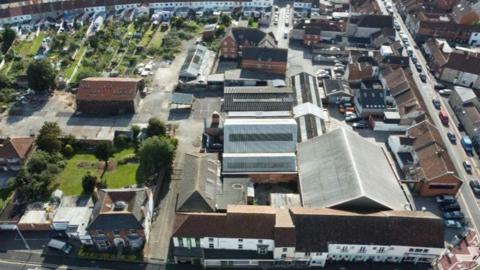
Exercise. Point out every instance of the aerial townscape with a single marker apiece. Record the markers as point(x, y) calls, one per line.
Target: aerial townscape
point(246, 134)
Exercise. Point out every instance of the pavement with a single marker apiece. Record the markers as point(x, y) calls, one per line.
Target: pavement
point(465, 197)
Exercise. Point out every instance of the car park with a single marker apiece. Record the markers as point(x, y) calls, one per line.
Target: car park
point(436, 103)
point(445, 199)
point(475, 186)
point(453, 215)
point(467, 166)
point(451, 137)
point(450, 223)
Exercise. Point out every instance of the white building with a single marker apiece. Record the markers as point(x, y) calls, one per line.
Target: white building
point(263, 235)
point(259, 145)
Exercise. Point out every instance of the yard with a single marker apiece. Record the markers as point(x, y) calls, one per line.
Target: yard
point(119, 175)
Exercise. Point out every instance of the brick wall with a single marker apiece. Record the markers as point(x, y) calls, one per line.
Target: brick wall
point(269, 67)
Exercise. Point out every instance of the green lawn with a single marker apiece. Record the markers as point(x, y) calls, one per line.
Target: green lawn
point(70, 179)
point(78, 56)
point(157, 38)
point(29, 48)
point(147, 36)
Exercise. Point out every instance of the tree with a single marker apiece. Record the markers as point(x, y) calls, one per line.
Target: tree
point(38, 162)
point(121, 141)
point(41, 76)
point(135, 131)
point(155, 153)
point(8, 37)
point(226, 20)
point(104, 151)
point(155, 127)
point(89, 181)
point(68, 150)
point(5, 81)
point(48, 138)
point(220, 31)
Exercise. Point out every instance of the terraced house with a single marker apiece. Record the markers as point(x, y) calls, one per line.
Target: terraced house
point(249, 236)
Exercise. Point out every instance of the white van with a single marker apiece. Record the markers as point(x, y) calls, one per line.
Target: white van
point(59, 245)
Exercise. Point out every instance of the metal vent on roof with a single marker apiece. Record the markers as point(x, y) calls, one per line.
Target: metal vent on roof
point(119, 206)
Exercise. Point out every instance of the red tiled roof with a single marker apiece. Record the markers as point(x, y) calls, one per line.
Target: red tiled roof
point(108, 89)
point(16, 147)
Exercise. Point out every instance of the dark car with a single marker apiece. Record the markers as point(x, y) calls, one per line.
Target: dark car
point(475, 185)
point(445, 199)
point(418, 67)
point(454, 215)
point(436, 103)
point(423, 77)
point(450, 207)
point(439, 86)
point(452, 137)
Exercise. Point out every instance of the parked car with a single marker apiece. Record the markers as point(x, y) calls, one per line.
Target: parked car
point(324, 76)
point(418, 67)
point(352, 118)
point(475, 185)
point(445, 92)
point(453, 215)
point(423, 77)
point(436, 103)
point(467, 166)
point(450, 207)
point(360, 125)
point(60, 245)
point(452, 137)
point(445, 199)
point(439, 86)
point(450, 223)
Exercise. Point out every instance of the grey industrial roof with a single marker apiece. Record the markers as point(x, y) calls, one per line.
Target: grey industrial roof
point(234, 191)
point(244, 74)
point(257, 99)
point(465, 94)
point(341, 169)
point(193, 62)
point(181, 98)
point(200, 183)
point(333, 87)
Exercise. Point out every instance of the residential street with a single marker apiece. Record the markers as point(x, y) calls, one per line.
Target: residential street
point(466, 198)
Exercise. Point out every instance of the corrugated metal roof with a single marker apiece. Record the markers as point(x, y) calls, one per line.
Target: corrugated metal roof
point(341, 167)
point(181, 98)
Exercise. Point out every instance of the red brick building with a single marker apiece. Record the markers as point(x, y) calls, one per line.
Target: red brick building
point(14, 152)
point(108, 96)
point(239, 38)
point(268, 60)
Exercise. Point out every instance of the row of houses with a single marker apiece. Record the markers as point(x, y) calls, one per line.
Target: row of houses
point(20, 11)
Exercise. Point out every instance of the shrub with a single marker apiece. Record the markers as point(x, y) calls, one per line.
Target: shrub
point(121, 141)
point(68, 150)
point(89, 182)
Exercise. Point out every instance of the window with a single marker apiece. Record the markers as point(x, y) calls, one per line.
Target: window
point(240, 246)
point(418, 250)
point(210, 245)
point(180, 241)
point(284, 256)
point(262, 250)
point(116, 232)
point(425, 250)
point(240, 240)
point(260, 241)
point(210, 239)
point(344, 248)
point(197, 242)
point(284, 249)
point(410, 250)
point(307, 253)
point(381, 250)
point(362, 250)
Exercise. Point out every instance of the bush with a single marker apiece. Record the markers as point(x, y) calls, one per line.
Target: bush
point(127, 159)
point(89, 182)
point(68, 150)
point(121, 141)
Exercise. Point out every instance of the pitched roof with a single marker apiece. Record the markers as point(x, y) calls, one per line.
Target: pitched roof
point(239, 222)
point(342, 169)
point(464, 62)
point(247, 35)
point(16, 147)
point(317, 228)
point(373, 21)
point(265, 54)
point(200, 183)
point(333, 87)
point(108, 89)
point(360, 71)
point(119, 209)
point(431, 151)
